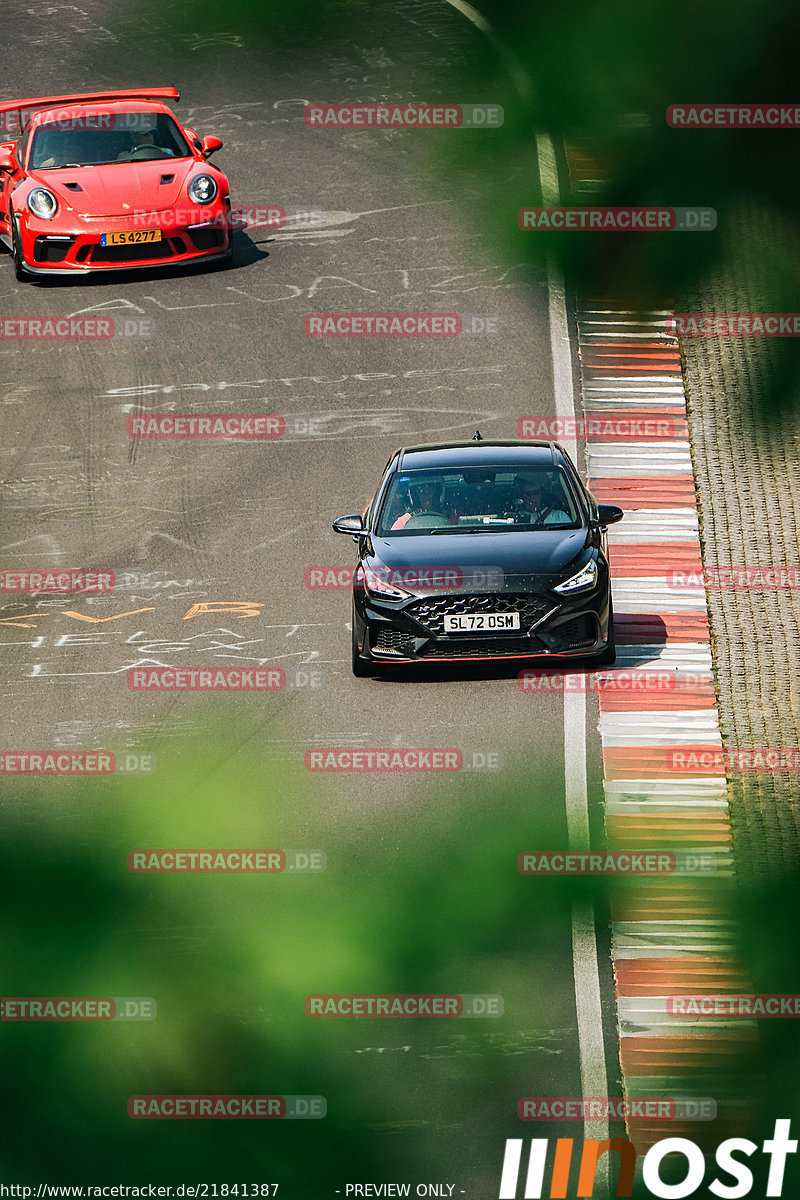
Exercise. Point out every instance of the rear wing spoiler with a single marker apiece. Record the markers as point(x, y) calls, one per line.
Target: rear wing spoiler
point(15, 115)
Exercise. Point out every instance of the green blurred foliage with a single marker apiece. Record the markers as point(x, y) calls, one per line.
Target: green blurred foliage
point(404, 906)
point(410, 902)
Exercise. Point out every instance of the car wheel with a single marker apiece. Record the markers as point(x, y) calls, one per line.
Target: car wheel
point(16, 253)
point(607, 657)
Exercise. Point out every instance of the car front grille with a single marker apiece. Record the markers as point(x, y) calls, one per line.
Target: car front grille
point(431, 612)
point(495, 647)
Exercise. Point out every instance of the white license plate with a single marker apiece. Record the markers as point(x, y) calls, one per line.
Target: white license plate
point(480, 622)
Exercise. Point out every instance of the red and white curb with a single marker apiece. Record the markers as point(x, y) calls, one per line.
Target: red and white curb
point(670, 935)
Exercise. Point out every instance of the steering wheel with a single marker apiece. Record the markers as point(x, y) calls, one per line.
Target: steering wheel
point(423, 520)
point(145, 152)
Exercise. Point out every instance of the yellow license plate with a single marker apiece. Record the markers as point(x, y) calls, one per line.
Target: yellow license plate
point(130, 237)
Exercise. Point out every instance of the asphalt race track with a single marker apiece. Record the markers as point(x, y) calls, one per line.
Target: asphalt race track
point(212, 542)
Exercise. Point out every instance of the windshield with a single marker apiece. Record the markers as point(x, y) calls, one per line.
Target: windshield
point(477, 499)
point(99, 139)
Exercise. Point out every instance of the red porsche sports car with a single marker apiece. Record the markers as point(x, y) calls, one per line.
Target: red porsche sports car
point(108, 180)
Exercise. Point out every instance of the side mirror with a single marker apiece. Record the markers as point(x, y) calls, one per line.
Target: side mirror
point(210, 146)
point(609, 514)
point(352, 524)
point(7, 158)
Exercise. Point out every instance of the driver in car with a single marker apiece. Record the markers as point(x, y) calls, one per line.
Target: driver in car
point(424, 499)
point(537, 506)
point(145, 140)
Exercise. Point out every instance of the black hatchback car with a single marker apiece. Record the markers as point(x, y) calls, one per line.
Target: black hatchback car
point(481, 550)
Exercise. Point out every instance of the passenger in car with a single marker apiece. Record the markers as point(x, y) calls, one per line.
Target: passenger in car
point(66, 149)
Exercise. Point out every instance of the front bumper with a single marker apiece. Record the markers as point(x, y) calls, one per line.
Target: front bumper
point(550, 627)
point(74, 247)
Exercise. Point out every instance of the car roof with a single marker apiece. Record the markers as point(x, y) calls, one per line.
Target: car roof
point(482, 453)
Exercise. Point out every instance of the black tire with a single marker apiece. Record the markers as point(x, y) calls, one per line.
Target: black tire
point(16, 254)
point(608, 657)
point(362, 669)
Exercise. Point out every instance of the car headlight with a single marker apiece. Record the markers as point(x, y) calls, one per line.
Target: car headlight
point(375, 583)
point(202, 189)
point(585, 578)
point(42, 203)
